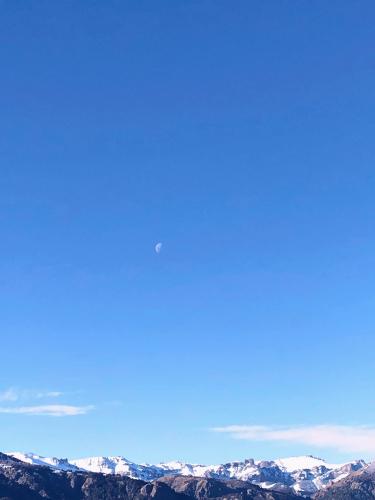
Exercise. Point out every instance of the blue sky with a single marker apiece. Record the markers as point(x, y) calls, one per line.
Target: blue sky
point(241, 136)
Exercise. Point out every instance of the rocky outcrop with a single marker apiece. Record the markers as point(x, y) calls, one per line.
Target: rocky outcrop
point(357, 486)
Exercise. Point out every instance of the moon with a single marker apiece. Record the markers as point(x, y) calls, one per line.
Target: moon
point(158, 247)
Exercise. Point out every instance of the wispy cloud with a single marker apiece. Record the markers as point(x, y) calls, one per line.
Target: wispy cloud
point(48, 410)
point(351, 439)
point(49, 394)
point(9, 395)
point(22, 396)
point(15, 394)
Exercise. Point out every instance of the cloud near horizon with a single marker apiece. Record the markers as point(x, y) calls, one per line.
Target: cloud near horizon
point(48, 410)
point(343, 438)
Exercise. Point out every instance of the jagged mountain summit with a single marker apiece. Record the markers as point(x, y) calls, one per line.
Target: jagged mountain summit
point(301, 475)
point(357, 486)
point(25, 481)
point(53, 462)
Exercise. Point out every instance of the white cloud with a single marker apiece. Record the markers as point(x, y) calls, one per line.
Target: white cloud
point(344, 438)
point(49, 394)
point(15, 394)
point(9, 395)
point(48, 410)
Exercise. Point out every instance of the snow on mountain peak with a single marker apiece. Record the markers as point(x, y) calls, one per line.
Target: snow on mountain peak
point(292, 464)
point(304, 474)
point(34, 459)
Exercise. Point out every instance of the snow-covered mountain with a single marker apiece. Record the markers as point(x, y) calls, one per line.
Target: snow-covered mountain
point(53, 462)
point(118, 465)
point(302, 475)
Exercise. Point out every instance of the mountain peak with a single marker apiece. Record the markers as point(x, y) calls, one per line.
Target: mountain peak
point(291, 464)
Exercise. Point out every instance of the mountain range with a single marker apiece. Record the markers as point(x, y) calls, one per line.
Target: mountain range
point(38, 478)
point(303, 475)
point(24, 481)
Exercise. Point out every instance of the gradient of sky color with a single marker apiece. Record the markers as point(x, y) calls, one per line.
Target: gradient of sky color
point(240, 135)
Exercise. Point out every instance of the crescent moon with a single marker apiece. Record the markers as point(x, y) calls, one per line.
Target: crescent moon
point(158, 247)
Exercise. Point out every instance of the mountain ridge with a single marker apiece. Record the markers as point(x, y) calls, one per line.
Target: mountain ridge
point(25, 481)
point(359, 485)
point(301, 475)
